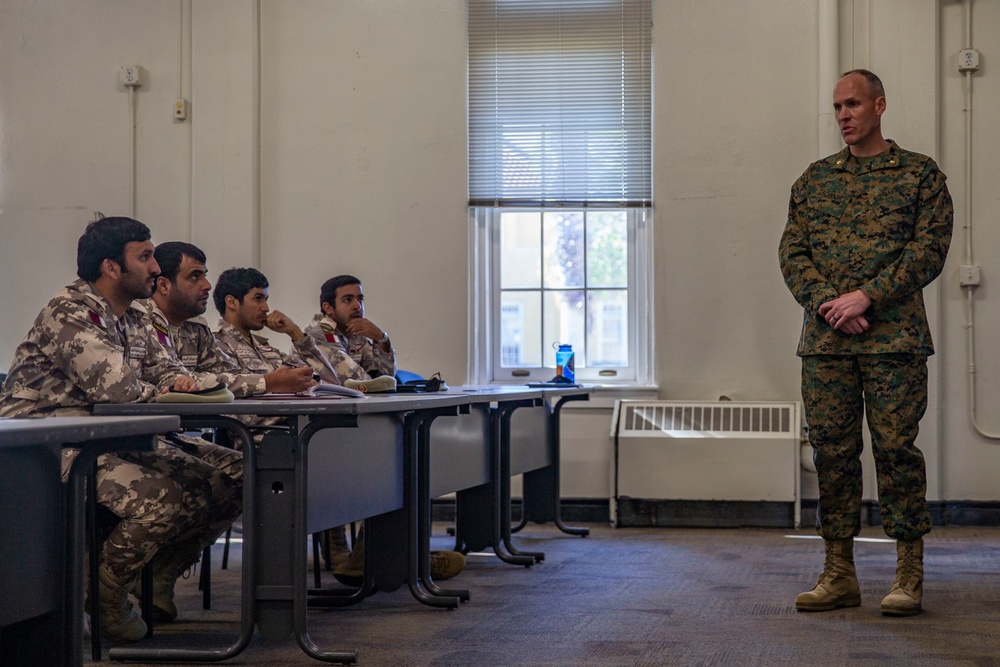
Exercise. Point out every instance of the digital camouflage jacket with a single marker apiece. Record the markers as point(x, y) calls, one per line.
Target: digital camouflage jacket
point(883, 227)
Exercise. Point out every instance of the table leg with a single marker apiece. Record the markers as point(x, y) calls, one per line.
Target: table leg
point(541, 487)
point(247, 607)
point(500, 442)
point(417, 471)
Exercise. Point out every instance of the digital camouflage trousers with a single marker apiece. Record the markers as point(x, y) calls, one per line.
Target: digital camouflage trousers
point(891, 391)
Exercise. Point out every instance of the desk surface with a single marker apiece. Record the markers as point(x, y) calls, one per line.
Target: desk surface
point(500, 392)
point(61, 430)
point(291, 406)
point(492, 393)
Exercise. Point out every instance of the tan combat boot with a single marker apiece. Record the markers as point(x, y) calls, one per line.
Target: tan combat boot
point(119, 620)
point(904, 596)
point(351, 572)
point(168, 566)
point(164, 580)
point(339, 551)
point(446, 564)
point(838, 584)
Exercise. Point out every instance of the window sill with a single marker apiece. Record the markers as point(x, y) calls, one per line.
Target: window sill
point(605, 395)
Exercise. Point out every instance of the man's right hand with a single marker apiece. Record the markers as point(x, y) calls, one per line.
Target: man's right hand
point(288, 380)
point(854, 326)
point(184, 383)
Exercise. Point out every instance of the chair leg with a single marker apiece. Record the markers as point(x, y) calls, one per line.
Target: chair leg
point(225, 548)
point(205, 578)
point(146, 606)
point(316, 577)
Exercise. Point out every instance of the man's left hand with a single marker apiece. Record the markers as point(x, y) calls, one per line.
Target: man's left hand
point(843, 312)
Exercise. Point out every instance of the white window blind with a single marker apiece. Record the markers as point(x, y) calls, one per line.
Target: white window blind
point(559, 102)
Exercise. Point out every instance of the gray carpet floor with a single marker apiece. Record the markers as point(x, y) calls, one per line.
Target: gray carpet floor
point(639, 597)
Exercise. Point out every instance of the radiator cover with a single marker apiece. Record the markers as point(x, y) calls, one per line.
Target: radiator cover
point(706, 451)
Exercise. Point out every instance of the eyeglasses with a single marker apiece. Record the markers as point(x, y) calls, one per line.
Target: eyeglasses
point(433, 383)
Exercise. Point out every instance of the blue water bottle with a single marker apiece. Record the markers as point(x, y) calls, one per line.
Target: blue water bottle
point(564, 364)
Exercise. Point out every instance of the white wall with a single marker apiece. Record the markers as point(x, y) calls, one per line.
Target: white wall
point(361, 134)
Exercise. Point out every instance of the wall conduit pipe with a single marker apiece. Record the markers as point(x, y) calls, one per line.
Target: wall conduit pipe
point(970, 340)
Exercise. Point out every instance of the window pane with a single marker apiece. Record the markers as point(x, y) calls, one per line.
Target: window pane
point(564, 323)
point(607, 249)
point(520, 250)
point(520, 326)
point(563, 238)
point(607, 327)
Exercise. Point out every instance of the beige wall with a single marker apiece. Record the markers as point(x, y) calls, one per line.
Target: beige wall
point(360, 130)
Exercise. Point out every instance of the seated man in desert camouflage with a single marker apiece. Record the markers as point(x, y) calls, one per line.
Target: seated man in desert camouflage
point(241, 297)
point(357, 347)
point(175, 312)
point(88, 346)
point(361, 350)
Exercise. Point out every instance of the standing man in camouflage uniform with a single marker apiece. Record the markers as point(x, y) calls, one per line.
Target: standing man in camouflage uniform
point(175, 313)
point(867, 229)
point(88, 346)
point(357, 347)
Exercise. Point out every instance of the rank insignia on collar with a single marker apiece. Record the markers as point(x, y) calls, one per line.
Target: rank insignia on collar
point(97, 319)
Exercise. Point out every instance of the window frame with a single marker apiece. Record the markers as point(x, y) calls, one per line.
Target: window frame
point(486, 318)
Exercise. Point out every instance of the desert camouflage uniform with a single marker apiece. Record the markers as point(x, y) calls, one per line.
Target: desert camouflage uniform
point(257, 356)
point(882, 226)
point(77, 354)
point(352, 357)
point(194, 345)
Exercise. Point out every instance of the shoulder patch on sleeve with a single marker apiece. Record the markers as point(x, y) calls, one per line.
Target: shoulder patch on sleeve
point(162, 334)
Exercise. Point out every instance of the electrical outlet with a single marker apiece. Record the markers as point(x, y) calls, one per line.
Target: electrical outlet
point(968, 60)
point(181, 109)
point(968, 275)
point(131, 76)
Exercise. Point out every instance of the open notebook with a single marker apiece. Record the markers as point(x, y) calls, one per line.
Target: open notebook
point(330, 390)
point(317, 391)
